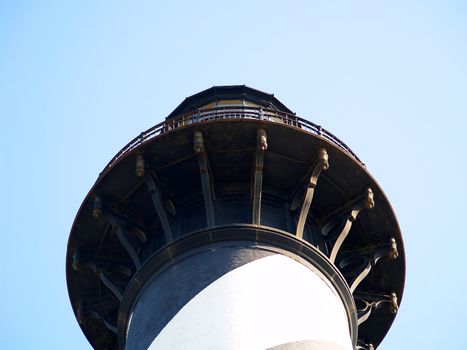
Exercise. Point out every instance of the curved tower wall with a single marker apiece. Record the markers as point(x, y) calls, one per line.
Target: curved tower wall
point(240, 296)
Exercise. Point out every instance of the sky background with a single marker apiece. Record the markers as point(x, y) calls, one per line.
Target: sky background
point(79, 79)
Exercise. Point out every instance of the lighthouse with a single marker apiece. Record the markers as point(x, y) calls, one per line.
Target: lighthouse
point(235, 224)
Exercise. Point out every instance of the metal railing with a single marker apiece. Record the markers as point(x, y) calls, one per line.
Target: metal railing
point(235, 112)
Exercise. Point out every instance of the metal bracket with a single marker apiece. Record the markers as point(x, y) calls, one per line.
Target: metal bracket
point(83, 312)
point(206, 184)
point(121, 234)
point(262, 145)
point(152, 185)
point(79, 262)
point(367, 302)
point(321, 165)
point(349, 214)
point(357, 267)
point(115, 219)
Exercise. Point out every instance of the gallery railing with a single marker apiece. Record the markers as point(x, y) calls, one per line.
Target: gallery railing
point(229, 112)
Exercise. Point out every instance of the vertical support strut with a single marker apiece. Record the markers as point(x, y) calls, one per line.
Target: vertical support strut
point(321, 165)
point(262, 145)
point(206, 184)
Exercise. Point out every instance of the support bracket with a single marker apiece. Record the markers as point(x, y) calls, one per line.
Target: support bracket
point(367, 302)
point(80, 260)
point(122, 236)
point(357, 267)
point(321, 165)
point(341, 223)
point(206, 184)
point(84, 312)
point(153, 187)
point(261, 146)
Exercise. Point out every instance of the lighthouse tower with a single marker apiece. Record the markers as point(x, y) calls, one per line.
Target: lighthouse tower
point(235, 224)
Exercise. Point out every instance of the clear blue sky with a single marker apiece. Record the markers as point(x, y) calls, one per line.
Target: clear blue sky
point(79, 79)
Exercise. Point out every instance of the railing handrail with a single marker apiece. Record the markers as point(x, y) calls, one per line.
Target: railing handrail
point(230, 112)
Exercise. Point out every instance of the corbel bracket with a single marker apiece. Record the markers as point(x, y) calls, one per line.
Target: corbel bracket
point(117, 222)
point(367, 302)
point(123, 238)
point(321, 165)
point(357, 267)
point(206, 184)
point(341, 223)
point(81, 261)
point(83, 312)
point(152, 184)
point(261, 147)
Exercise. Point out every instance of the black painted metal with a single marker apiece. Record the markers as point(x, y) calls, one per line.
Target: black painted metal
point(130, 213)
